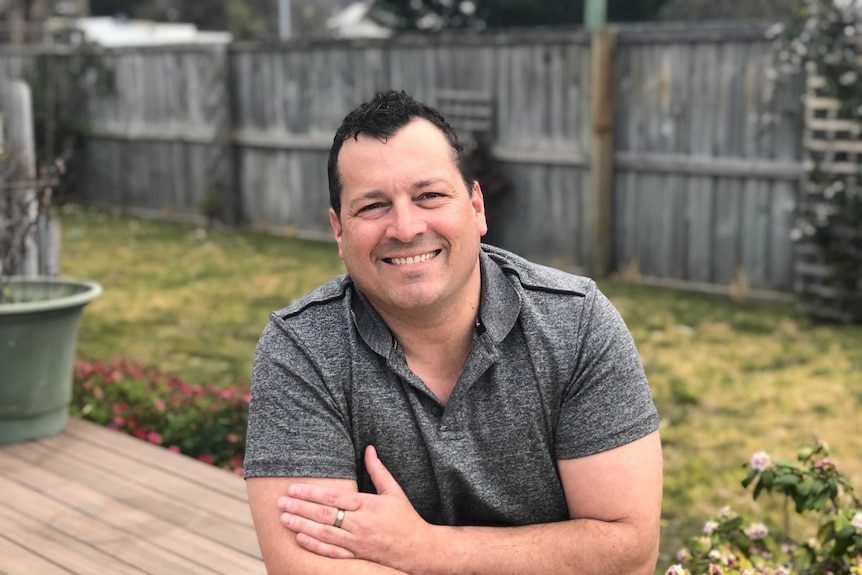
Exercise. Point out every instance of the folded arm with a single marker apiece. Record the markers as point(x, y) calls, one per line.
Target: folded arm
point(614, 501)
point(281, 552)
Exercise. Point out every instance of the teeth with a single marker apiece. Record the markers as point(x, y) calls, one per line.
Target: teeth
point(412, 259)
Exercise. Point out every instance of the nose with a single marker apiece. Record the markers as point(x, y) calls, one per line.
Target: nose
point(406, 222)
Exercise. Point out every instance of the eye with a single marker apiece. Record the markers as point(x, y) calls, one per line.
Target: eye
point(431, 196)
point(369, 207)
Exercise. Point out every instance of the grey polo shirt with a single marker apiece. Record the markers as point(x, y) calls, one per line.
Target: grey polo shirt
point(553, 374)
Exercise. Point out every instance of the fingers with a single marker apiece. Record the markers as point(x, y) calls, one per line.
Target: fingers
point(323, 514)
point(380, 476)
point(338, 499)
point(320, 539)
point(324, 549)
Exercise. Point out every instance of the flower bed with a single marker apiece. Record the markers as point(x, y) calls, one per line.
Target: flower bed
point(729, 545)
point(202, 421)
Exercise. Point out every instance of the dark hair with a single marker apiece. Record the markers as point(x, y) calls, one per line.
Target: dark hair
point(381, 118)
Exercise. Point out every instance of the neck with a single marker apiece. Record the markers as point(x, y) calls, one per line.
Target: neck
point(437, 352)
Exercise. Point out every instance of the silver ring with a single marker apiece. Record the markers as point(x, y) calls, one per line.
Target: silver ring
point(339, 518)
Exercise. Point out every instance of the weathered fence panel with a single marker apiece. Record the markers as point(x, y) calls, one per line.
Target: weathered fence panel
point(159, 141)
point(707, 160)
point(706, 163)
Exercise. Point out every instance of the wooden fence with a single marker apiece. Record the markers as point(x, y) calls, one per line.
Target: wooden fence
point(705, 160)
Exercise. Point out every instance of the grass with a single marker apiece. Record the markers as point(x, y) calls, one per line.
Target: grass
point(729, 379)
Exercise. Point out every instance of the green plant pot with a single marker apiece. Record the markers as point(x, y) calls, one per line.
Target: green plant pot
point(38, 336)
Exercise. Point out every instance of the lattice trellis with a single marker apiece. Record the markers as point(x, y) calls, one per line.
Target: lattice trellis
point(833, 146)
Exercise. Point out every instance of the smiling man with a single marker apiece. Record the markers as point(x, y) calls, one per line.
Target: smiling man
point(445, 406)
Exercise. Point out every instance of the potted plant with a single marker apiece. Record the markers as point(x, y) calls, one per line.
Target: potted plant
point(39, 314)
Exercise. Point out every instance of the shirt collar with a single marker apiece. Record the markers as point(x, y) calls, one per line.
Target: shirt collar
point(499, 309)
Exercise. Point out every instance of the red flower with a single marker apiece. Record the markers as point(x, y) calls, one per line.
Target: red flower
point(206, 458)
point(140, 433)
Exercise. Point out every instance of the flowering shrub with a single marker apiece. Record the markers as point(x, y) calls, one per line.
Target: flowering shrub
point(206, 422)
point(824, 37)
point(729, 545)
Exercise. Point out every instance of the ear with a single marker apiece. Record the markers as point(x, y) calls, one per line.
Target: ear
point(477, 200)
point(335, 222)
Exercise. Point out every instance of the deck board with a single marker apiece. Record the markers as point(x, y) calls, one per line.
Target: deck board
point(91, 500)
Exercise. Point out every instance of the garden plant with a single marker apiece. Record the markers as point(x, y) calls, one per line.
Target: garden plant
point(813, 486)
point(823, 39)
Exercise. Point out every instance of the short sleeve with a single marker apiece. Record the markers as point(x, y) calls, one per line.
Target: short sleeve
point(608, 402)
point(298, 424)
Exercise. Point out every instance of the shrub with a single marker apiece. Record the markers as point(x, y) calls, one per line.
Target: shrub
point(203, 421)
point(731, 546)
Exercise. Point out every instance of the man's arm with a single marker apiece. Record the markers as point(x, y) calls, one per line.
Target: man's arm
point(614, 501)
point(281, 553)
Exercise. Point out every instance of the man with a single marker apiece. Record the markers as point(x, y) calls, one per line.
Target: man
point(445, 406)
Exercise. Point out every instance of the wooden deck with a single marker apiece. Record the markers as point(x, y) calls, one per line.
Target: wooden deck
point(94, 501)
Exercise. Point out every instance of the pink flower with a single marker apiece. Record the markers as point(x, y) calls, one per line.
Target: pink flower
point(154, 437)
point(761, 461)
point(140, 433)
point(825, 463)
point(246, 397)
point(709, 527)
point(98, 393)
point(206, 458)
point(227, 393)
point(239, 472)
point(159, 404)
point(232, 438)
point(119, 421)
point(120, 408)
point(174, 449)
point(677, 570)
point(756, 531)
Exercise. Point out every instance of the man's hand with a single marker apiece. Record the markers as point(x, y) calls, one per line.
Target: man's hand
point(383, 528)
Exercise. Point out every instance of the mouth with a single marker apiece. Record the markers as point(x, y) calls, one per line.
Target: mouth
point(409, 260)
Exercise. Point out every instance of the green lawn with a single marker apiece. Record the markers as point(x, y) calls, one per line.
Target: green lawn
point(728, 379)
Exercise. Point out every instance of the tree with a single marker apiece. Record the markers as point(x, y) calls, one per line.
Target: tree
point(726, 9)
point(245, 19)
point(436, 15)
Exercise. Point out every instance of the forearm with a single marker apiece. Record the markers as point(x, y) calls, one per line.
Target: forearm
point(576, 547)
point(308, 564)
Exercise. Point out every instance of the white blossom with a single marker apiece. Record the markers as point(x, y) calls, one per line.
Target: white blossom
point(468, 8)
point(774, 31)
point(761, 461)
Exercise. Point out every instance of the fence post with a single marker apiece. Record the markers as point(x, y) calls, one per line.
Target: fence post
point(600, 249)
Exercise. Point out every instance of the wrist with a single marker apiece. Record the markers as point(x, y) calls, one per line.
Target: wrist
point(433, 546)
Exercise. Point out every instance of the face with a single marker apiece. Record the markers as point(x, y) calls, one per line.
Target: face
point(409, 230)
